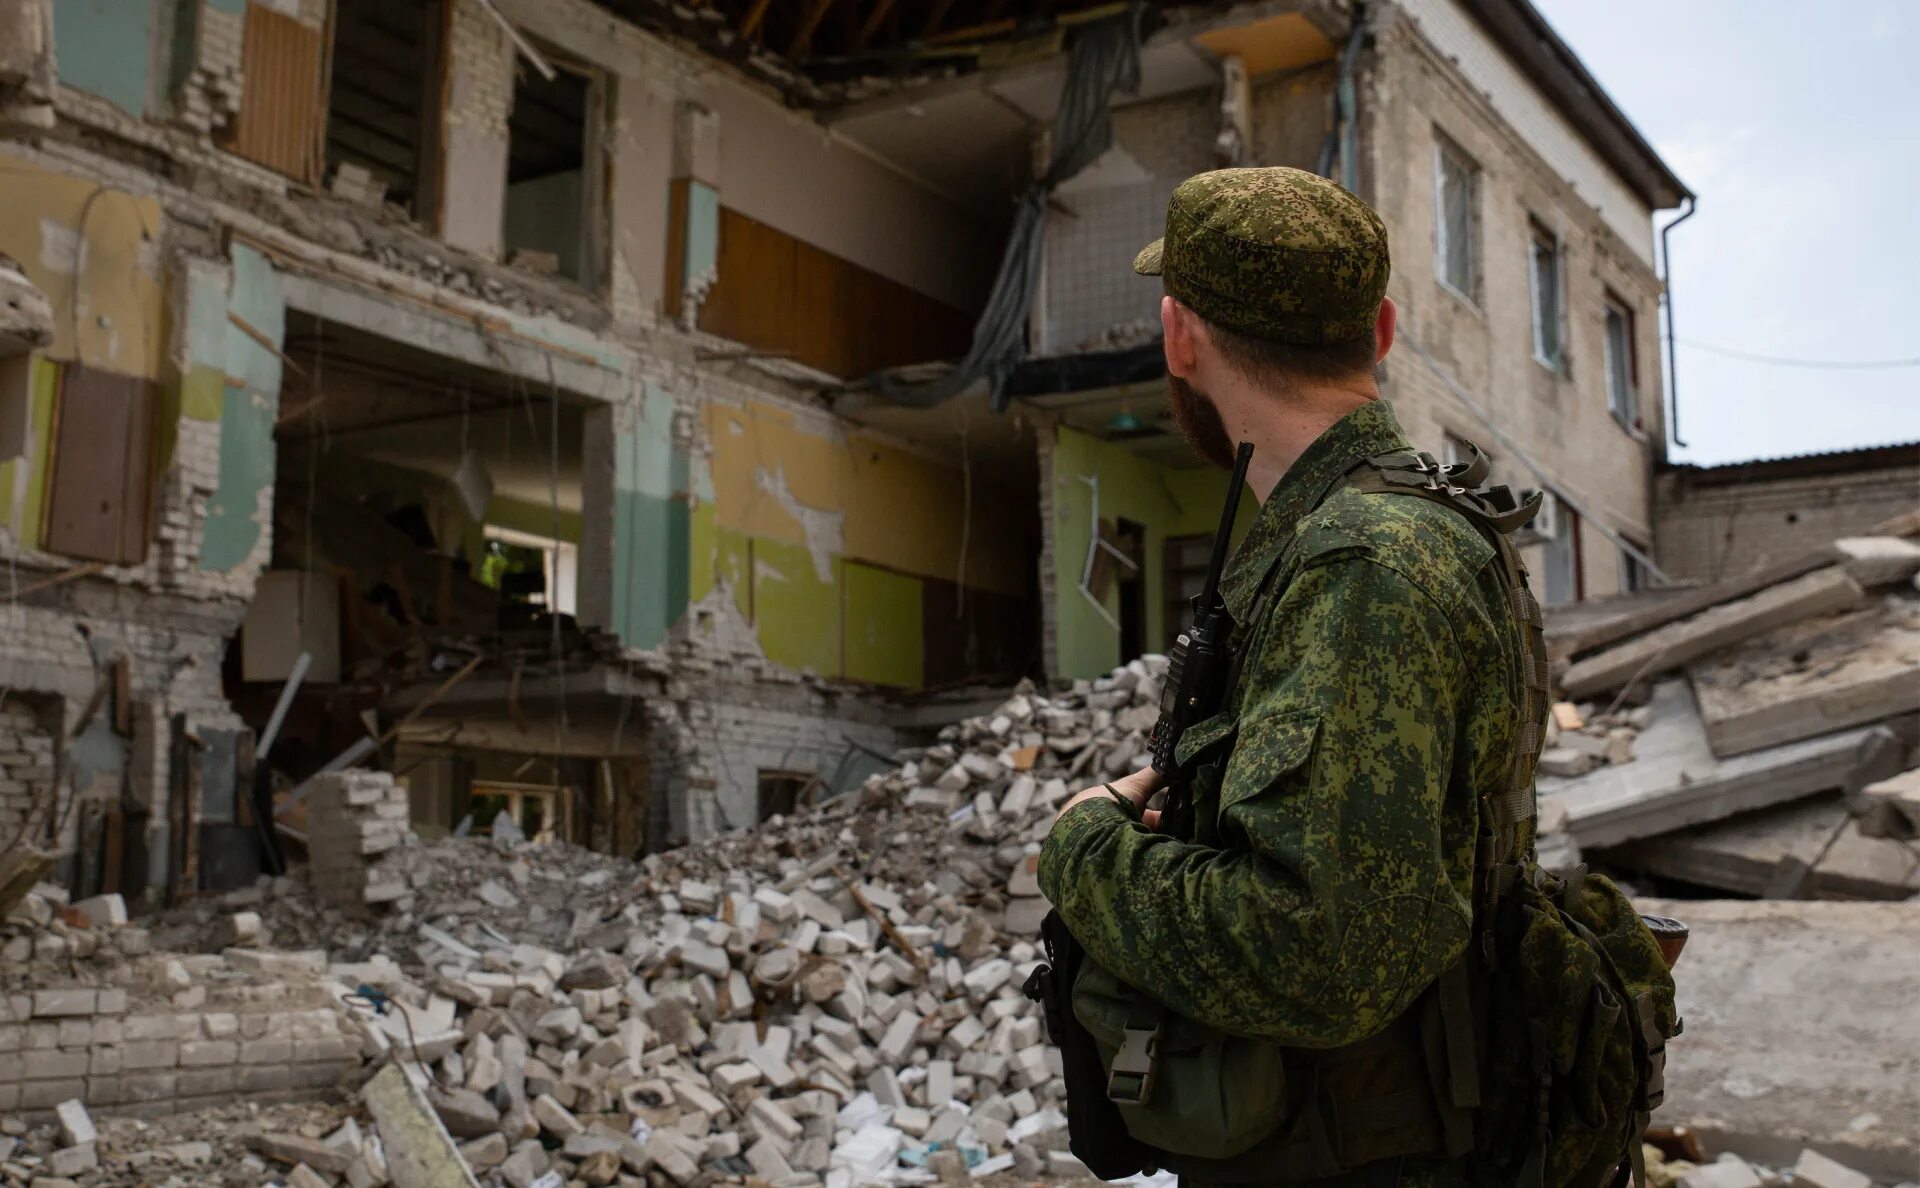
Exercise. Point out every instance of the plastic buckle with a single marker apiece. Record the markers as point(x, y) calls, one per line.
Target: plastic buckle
point(1135, 1067)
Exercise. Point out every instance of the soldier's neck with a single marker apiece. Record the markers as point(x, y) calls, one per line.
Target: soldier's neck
point(1282, 429)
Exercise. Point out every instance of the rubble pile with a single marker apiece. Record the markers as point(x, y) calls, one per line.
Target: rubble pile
point(832, 998)
point(1739, 736)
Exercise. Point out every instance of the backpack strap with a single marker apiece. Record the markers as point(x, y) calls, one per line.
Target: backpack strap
point(1496, 514)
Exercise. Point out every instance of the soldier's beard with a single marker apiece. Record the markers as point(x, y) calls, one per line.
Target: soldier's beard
point(1199, 422)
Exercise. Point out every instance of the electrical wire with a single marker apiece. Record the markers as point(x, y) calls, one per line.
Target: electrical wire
point(1787, 361)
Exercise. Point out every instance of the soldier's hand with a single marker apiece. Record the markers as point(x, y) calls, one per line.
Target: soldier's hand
point(1136, 788)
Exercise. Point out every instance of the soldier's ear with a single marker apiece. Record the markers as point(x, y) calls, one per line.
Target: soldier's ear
point(1383, 327)
point(1180, 337)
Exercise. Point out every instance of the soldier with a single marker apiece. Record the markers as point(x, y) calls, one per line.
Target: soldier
point(1327, 881)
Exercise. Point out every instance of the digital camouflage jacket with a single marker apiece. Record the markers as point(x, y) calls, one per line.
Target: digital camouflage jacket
point(1379, 691)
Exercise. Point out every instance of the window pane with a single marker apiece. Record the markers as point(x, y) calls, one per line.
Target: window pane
point(1546, 300)
point(1619, 372)
point(1456, 184)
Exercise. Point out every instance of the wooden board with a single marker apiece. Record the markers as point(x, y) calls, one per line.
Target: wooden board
point(1821, 592)
point(785, 296)
point(282, 105)
point(99, 497)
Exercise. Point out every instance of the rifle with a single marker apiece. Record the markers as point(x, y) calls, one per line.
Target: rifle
point(1197, 665)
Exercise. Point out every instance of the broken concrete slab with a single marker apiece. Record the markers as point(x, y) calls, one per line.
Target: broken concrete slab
point(419, 1151)
point(1878, 560)
point(1663, 649)
point(1891, 807)
point(1779, 1052)
point(1677, 780)
point(1746, 854)
point(1658, 607)
point(1813, 678)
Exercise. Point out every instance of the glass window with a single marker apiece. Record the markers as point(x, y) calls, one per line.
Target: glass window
point(1622, 400)
point(1455, 182)
point(1544, 275)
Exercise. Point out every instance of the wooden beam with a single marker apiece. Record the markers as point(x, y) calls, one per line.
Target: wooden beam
point(875, 19)
point(750, 23)
point(936, 13)
point(803, 40)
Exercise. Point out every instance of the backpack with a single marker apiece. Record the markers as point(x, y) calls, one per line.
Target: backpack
point(1538, 1057)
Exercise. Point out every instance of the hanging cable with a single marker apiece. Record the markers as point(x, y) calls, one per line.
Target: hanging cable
point(1786, 361)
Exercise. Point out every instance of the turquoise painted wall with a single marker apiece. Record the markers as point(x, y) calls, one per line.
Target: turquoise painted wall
point(247, 410)
point(650, 524)
point(106, 47)
point(1168, 501)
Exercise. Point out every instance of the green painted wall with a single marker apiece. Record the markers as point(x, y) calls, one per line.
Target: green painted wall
point(247, 409)
point(1168, 501)
point(796, 614)
point(22, 515)
point(884, 641)
point(651, 529)
point(106, 47)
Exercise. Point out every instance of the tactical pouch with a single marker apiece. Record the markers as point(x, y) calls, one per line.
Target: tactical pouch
point(1099, 1136)
point(1179, 1086)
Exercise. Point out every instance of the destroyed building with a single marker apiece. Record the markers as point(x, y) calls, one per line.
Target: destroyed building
point(514, 362)
point(1713, 522)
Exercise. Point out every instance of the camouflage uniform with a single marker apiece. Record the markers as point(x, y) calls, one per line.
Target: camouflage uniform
point(1329, 878)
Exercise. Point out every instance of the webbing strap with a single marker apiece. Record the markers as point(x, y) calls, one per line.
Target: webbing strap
point(1495, 513)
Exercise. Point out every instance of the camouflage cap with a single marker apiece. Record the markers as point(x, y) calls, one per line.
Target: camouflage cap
point(1274, 253)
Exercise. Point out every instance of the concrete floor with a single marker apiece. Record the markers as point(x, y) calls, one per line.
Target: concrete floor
point(1802, 1029)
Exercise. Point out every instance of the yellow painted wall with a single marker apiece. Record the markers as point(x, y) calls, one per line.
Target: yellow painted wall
point(849, 602)
point(23, 480)
point(67, 232)
point(897, 509)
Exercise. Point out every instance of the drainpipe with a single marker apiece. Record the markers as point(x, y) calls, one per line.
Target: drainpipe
point(1673, 360)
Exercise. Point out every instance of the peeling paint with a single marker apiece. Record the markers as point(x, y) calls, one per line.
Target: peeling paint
point(61, 247)
point(701, 250)
point(250, 402)
point(825, 530)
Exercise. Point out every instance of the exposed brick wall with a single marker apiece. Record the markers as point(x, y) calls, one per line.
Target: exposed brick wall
point(355, 818)
point(63, 1043)
point(1705, 532)
point(1118, 206)
point(27, 735)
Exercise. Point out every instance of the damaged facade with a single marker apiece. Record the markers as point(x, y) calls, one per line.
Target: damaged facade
point(509, 361)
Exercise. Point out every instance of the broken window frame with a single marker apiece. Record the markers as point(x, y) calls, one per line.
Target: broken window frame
point(594, 168)
point(774, 787)
point(1456, 233)
point(429, 144)
point(518, 796)
point(1546, 283)
point(1623, 395)
point(560, 564)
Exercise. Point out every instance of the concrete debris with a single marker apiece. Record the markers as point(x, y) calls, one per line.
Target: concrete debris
point(1801, 681)
point(1891, 807)
point(831, 999)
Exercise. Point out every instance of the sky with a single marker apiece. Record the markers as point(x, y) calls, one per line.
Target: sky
point(1798, 125)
